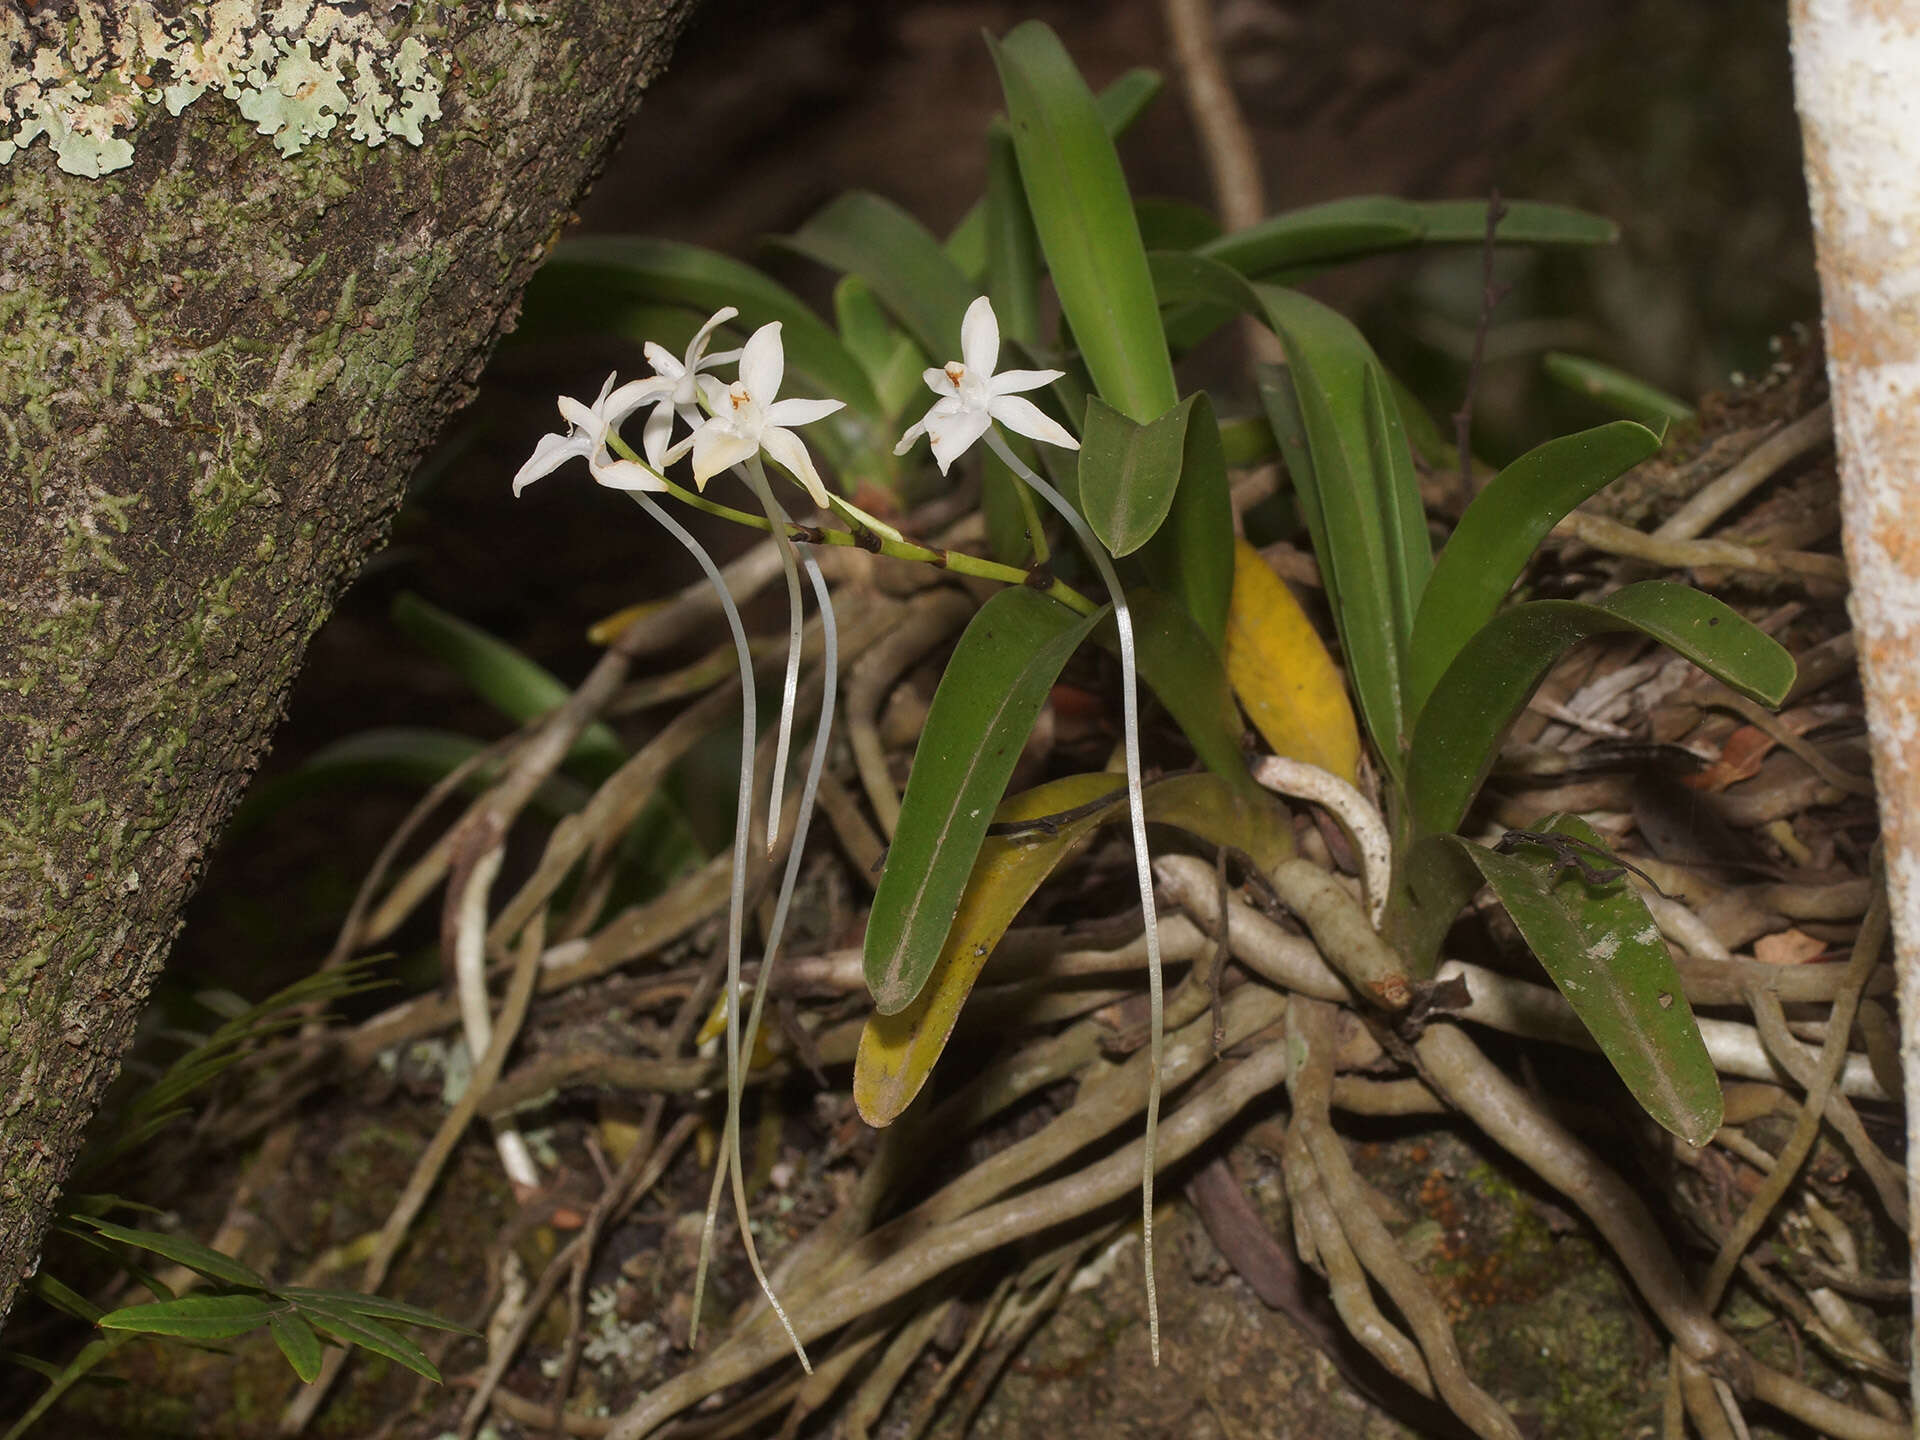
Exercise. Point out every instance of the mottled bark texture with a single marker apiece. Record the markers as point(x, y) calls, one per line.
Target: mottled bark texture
point(217, 366)
point(1856, 75)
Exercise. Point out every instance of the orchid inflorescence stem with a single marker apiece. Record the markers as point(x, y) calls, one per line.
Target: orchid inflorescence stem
point(732, 427)
point(1143, 865)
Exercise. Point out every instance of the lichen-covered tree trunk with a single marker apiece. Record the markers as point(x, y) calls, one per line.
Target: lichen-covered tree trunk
point(253, 253)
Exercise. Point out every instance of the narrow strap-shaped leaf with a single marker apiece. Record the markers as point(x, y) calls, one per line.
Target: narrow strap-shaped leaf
point(898, 1052)
point(1497, 671)
point(1615, 390)
point(1129, 472)
point(1496, 538)
point(1402, 515)
point(1280, 669)
point(195, 1317)
point(1526, 222)
point(586, 273)
point(350, 1328)
point(860, 233)
point(182, 1251)
point(982, 712)
point(1365, 225)
point(501, 675)
point(1083, 212)
point(1604, 952)
point(1120, 104)
point(1168, 224)
point(378, 1306)
point(1362, 529)
point(298, 1343)
point(1013, 247)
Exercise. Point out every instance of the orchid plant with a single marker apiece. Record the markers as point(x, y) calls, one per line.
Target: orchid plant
point(1137, 473)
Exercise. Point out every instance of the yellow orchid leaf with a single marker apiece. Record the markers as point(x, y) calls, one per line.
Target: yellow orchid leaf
point(1280, 669)
point(897, 1052)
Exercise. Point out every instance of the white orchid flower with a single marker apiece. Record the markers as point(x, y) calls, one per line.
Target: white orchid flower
point(972, 397)
point(678, 380)
point(586, 437)
point(747, 419)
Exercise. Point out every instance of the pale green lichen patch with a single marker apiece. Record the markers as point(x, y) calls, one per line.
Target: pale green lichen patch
point(297, 70)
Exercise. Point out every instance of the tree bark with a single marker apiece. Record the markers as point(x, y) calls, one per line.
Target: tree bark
point(226, 336)
point(1856, 71)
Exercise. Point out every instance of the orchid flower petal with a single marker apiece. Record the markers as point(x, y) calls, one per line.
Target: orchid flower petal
point(716, 449)
point(800, 412)
point(953, 435)
point(700, 337)
point(549, 454)
point(616, 407)
point(625, 475)
point(980, 338)
point(656, 434)
point(786, 450)
point(1023, 417)
point(763, 361)
point(1011, 382)
point(664, 362)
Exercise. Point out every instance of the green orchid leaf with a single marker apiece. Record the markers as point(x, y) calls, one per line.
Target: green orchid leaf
point(1181, 277)
point(992, 691)
point(898, 1051)
point(195, 1317)
point(1129, 472)
point(1084, 215)
point(64, 1298)
point(1527, 222)
point(1496, 672)
point(1615, 390)
point(589, 276)
point(182, 1251)
point(1350, 229)
point(1604, 952)
point(862, 234)
point(1120, 104)
point(298, 1343)
point(1126, 99)
point(892, 361)
point(1431, 448)
point(1185, 669)
point(353, 1328)
point(378, 1306)
point(502, 676)
point(1502, 528)
point(1167, 224)
point(1191, 554)
point(1013, 247)
point(1360, 498)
